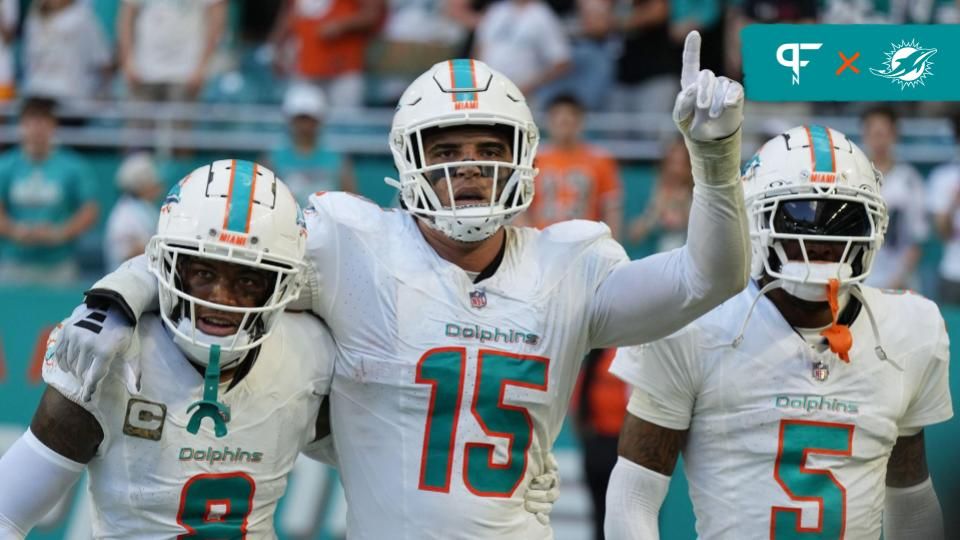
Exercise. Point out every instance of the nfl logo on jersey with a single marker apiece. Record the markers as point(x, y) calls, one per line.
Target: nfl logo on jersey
point(478, 299)
point(821, 371)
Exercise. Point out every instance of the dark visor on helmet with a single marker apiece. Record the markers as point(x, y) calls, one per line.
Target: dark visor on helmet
point(822, 217)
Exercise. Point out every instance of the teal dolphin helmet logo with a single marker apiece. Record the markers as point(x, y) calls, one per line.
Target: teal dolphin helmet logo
point(907, 64)
point(173, 196)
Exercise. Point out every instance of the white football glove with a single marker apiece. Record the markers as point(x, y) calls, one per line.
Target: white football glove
point(709, 112)
point(89, 341)
point(708, 107)
point(543, 491)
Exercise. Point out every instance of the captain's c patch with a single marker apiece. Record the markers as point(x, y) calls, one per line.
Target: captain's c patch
point(144, 419)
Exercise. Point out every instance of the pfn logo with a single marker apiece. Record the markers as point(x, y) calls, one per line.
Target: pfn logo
point(794, 62)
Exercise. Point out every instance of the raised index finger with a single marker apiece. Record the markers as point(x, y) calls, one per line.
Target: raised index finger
point(691, 59)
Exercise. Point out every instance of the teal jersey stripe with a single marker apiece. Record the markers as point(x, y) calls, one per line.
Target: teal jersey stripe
point(822, 152)
point(241, 192)
point(463, 78)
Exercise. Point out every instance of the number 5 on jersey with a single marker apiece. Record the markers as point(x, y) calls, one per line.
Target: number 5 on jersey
point(444, 370)
point(798, 440)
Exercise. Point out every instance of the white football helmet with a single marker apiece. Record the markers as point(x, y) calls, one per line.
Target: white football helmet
point(234, 211)
point(812, 184)
point(457, 93)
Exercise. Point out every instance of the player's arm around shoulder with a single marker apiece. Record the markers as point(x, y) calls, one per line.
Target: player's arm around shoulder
point(68, 421)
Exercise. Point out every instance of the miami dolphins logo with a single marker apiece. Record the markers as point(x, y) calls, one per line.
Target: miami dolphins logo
point(173, 196)
point(907, 64)
point(750, 165)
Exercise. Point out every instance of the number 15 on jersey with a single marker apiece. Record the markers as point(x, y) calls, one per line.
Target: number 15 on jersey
point(444, 370)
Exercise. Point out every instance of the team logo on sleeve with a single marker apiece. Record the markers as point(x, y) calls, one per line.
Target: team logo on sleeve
point(144, 419)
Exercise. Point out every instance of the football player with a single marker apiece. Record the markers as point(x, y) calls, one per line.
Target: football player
point(459, 337)
point(799, 404)
point(231, 386)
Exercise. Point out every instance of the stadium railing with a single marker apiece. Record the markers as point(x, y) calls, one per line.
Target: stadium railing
point(257, 128)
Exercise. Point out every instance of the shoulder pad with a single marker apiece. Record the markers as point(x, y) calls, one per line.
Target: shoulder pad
point(721, 325)
point(915, 313)
point(346, 208)
point(581, 250)
point(575, 231)
point(307, 339)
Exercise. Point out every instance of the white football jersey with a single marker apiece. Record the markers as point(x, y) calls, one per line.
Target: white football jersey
point(152, 479)
point(447, 394)
point(783, 438)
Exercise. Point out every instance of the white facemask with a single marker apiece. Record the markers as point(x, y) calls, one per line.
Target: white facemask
point(812, 287)
point(199, 351)
point(472, 224)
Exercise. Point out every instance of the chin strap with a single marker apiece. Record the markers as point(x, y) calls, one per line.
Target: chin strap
point(878, 350)
point(838, 335)
point(743, 327)
point(209, 407)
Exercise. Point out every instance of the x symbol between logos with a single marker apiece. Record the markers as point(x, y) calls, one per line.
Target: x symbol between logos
point(848, 63)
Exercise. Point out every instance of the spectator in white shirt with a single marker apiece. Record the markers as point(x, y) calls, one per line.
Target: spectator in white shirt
point(896, 262)
point(943, 203)
point(524, 40)
point(166, 46)
point(133, 219)
point(66, 55)
point(417, 34)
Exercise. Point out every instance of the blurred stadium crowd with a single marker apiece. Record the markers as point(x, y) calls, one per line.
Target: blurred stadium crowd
point(162, 81)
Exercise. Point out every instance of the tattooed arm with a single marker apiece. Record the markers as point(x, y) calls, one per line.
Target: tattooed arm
point(911, 508)
point(639, 481)
point(649, 445)
point(908, 462)
point(666, 377)
point(65, 427)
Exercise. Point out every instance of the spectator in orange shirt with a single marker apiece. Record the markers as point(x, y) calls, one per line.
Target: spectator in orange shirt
point(576, 180)
point(328, 39)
